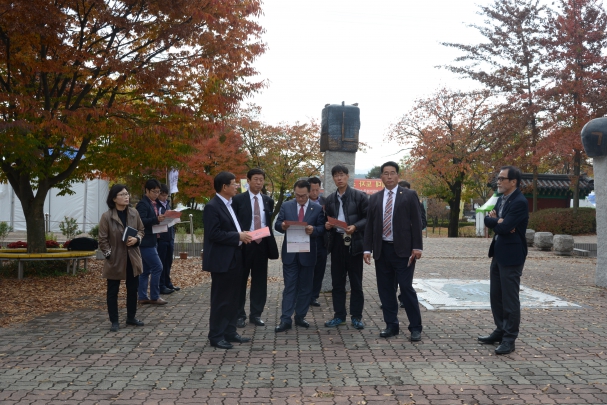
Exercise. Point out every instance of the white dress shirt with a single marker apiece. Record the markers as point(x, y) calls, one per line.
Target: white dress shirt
point(228, 204)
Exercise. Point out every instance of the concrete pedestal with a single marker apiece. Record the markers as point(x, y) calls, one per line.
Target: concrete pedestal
point(333, 158)
point(600, 189)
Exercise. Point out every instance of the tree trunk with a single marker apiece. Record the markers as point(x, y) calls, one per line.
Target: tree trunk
point(33, 209)
point(534, 185)
point(577, 162)
point(456, 189)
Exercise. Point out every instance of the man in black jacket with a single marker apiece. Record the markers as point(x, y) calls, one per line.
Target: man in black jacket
point(321, 244)
point(254, 211)
point(346, 247)
point(148, 208)
point(166, 243)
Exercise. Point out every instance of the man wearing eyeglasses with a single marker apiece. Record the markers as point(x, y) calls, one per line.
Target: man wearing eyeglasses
point(508, 251)
point(149, 211)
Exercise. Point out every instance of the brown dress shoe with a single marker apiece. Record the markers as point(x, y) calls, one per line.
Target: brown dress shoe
point(143, 302)
point(159, 301)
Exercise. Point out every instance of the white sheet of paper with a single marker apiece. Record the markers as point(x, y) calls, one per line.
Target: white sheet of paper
point(160, 228)
point(298, 241)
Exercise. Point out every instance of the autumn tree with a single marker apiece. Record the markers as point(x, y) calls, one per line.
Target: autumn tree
point(576, 41)
point(511, 62)
point(448, 133)
point(286, 152)
point(114, 86)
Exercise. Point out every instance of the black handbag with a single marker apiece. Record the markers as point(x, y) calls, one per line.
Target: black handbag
point(83, 244)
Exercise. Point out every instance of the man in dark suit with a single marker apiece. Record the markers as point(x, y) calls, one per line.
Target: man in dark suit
point(222, 257)
point(321, 244)
point(508, 249)
point(166, 243)
point(298, 268)
point(394, 235)
point(254, 211)
point(148, 208)
point(346, 247)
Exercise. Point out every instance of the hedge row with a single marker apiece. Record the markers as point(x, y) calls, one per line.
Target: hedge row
point(563, 221)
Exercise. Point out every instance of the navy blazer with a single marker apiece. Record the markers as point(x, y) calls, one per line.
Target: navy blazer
point(241, 204)
point(510, 248)
point(149, 219)
point(221, 237)
point(406, 223)
point(314, 216)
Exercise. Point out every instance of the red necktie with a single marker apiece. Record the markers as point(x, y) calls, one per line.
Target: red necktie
point(301, 213)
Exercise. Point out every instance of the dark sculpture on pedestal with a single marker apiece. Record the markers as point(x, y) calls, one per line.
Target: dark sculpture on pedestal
point(592, 137)
point(339, 128)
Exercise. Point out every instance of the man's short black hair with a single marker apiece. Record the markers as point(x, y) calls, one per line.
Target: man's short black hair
point(302, 184)
point(255, 171)
point(339, 169)
point(222, 179)
point(514, 173)
point(405, 184)
point(164, 189)
point(390, 163)
point(114, 191)
point(314, 180)
point(152, 184)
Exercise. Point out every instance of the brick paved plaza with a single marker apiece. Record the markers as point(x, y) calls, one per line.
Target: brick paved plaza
point(560, 357)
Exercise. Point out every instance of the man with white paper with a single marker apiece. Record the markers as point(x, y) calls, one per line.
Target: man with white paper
point(298, 267)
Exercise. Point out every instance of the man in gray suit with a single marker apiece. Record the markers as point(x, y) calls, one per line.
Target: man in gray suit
point(298, 268)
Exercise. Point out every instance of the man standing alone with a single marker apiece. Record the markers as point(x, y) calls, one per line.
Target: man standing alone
point(508, 249)
point(254, 211)
point(346, 247)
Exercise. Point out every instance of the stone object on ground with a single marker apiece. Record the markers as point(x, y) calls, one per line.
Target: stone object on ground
point(543, 240)
point(562, 245)
point(529, 235)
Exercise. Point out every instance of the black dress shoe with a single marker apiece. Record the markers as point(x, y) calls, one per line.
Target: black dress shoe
point(505, 348)
point(491, 339)
point(282, 327)
point(222, 344)
point(115, 326)
point(257, 321)
point(175, 288)
point(166, 290)
point(389, 332)
point(315, 303)
point(238, 338)
point(134, 322)
point(402, 304)
point(302, 322)
point(241, 322)
point(416, 336)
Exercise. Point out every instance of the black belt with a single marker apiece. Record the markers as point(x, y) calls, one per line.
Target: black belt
point(388, 242)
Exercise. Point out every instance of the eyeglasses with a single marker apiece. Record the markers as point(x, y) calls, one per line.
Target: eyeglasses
point(155, 191)
point(503, 178)
point(122, 194)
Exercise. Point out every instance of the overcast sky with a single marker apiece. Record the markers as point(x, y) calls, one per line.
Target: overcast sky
point(380, 54)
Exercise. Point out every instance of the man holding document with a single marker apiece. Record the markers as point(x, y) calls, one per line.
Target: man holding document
point(346, 211)
point(394, 235)
point(302, 222)
point(254, 212)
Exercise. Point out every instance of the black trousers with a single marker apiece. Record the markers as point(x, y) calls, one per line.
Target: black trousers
point(344, 264)
point(319, 271)
point(255, 263)
point(165, 252)
point(113, 286)
point(387, 268)
point(505, 284)
point(224, 300)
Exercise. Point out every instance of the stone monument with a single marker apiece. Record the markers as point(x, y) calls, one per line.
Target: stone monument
point(339, 130)
point(596, 148)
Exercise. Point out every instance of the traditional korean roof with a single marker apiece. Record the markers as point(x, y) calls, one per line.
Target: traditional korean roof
point(552, 185)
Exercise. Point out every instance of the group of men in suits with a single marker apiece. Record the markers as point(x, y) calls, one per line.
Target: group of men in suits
point(386, 226)
point(156, 248)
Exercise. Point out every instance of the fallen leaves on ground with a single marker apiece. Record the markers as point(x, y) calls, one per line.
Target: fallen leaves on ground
point(23, 300)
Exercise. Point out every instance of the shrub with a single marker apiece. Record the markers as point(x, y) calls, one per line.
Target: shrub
point(94, 232)
point(69, 227)
point(563, 221)
point(5, 229)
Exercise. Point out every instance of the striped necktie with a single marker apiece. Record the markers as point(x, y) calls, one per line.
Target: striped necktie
point(388, 216)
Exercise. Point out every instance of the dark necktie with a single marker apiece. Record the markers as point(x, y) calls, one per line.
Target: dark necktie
point(256, 217)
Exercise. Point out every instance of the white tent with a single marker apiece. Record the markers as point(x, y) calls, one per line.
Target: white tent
point(86, 205)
